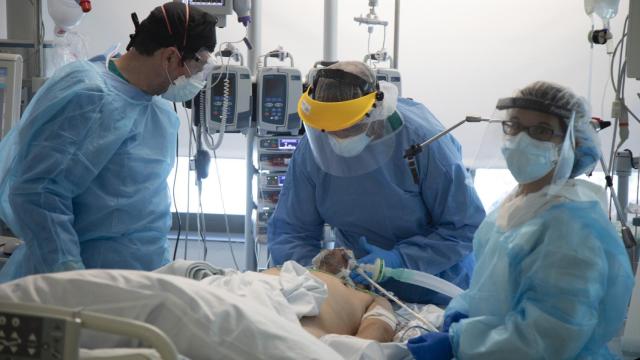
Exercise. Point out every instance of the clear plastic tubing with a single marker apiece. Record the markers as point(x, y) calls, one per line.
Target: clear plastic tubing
point(425, 280)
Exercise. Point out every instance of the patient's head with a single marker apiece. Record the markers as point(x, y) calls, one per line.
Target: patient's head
point(332, 261)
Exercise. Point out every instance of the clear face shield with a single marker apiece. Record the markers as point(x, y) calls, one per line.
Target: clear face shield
point(531, 138)
point(353, 137)
point(186, 87)
point(201, 65)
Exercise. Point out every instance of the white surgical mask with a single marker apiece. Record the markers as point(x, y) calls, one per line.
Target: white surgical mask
point(528, 159)
point(182, 89)
point(351, 146)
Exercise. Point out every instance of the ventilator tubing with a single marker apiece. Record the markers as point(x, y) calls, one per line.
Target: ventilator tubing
point(414, 277)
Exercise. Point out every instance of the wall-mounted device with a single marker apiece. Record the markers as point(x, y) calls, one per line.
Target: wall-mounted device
point(274, 154)
point(227, 96)
point(10, 91)
point(221, 8)
point(387, 74)
point(278, 90)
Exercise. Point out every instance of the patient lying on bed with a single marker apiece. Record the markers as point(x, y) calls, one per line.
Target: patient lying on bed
point(323, 303)
point(346, 311)
point(233, 315)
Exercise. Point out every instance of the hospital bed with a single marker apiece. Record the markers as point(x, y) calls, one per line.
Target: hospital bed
point(75, 329)
point(51, 332)
point(36, 331)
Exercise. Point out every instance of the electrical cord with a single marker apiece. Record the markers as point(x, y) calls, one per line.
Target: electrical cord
point(173, 190)
point(200, 221)
point(202, 229)
point(411, 328)
point(224, 211)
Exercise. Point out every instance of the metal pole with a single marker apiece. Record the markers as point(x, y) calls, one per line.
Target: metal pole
point(249, 237)
point(330, 44)
point(622, 168)
point(255, 35)
point(396, 35)
point(253, 54)
point(39, 41)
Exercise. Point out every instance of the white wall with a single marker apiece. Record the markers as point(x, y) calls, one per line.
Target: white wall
point(456, 56)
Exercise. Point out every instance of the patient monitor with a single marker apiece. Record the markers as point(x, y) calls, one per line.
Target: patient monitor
point(226, 100)
point(279, 89)
point(10, 91)
point(387, 74)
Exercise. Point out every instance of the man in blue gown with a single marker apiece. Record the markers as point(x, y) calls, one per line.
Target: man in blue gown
point(83, 175)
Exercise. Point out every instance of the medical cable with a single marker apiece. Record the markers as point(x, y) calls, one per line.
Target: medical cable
point(202, 229)
point(200, 222)
point(208, 140)
point(618, 95)
point(426, 322)
point(173, 194)
point(224, 211)
point(405, 331)
point(403, 317)
point(192, 138)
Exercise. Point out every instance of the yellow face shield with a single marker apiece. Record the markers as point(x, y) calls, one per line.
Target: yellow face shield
point(334, 116)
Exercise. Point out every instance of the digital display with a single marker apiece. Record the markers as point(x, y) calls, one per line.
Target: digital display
point(208, 2)
point(274, 97)
point(217, 97)
point(274, 87)
point(288, 144)
point(219, 79)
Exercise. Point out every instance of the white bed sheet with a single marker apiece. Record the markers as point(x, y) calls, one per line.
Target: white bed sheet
point(204, 322)
point(237, 316)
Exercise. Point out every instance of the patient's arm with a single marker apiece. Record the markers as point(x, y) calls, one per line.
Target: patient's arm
point(374, 327)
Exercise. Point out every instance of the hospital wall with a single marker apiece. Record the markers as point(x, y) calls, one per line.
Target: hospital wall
point(456, 56)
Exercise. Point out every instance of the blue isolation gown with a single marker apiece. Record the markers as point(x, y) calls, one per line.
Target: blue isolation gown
point(554, 286)
point(431, 224)
point(83, 175)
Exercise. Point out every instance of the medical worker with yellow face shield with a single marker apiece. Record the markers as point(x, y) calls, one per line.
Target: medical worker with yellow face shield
point(552, 279)
point(349, 172)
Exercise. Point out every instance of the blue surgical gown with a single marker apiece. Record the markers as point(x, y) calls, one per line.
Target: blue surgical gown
point(555, 287)
point(431, 223)
point(84, 175)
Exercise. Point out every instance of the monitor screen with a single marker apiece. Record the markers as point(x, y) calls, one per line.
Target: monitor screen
point(274, 87)
point(218, 88)
point(288, 144)
point(208, 2)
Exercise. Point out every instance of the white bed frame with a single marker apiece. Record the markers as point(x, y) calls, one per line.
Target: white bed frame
point(64, 325)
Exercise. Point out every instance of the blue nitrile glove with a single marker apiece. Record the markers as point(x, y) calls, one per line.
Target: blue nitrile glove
point(432, 346)
point(452, 318)
point(392, 259)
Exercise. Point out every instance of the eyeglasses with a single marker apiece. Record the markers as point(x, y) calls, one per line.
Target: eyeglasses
point(538, 132)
